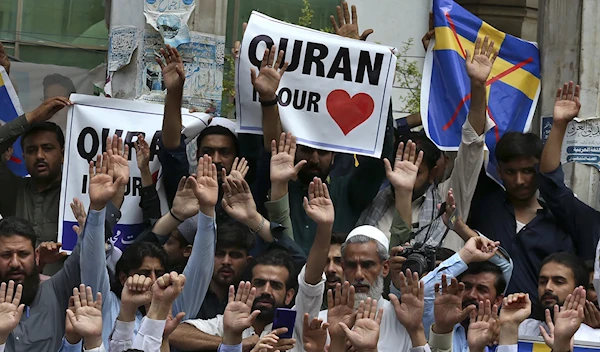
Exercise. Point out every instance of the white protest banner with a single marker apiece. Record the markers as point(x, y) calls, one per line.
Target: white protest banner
point(335, 94)
point(90, 121)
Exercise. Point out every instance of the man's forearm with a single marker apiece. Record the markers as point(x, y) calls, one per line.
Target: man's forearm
point(188, 338)
point(552, 150)
point(271, 124)
point(404, 205)
point(9, 132)
point(317, 257)
point(171, 128)
point(146, 177)
point(477, 111)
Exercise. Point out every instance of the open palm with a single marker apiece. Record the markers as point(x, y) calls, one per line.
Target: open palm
point(238, 204)
point(567, 103)
point(314, 334)
point(10, 315)
point(269, 77)
point(318, 205)
point(88, 321)
point(238, 315)
point(364, 331)
point(282, 159)
point(185, 203)
point(480, 65)
point(341, 309)
point(172, 68)
point(448, 309)
point(406, 166)
point(206, 187)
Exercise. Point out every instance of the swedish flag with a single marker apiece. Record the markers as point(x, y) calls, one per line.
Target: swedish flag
point(10, 109)
point(512, 88)
point(542, 347)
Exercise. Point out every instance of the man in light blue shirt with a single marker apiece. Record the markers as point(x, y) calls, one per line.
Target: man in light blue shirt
point(484, 270)
point(153, 262)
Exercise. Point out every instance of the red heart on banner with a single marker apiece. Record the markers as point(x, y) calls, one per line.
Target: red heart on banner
point(349, 112)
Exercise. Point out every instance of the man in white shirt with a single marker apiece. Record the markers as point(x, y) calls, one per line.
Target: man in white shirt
point(365, 263)
point(561, 274)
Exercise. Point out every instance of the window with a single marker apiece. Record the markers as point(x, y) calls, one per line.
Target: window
point(59, 32)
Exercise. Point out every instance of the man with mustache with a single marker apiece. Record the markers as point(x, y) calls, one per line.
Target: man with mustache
point(218, 140)
point(334, 273)
point(535, 228)
point(483, 273)
point(561, 275)
point(275, 280)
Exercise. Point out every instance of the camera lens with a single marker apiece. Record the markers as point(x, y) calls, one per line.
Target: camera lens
point(416, 262)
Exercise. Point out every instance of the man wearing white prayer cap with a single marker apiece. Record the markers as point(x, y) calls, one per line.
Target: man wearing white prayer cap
point(365, 264)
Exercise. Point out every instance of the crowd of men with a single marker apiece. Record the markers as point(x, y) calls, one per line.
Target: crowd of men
point(408, 252)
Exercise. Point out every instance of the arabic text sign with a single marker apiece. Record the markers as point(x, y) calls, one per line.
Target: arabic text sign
point(90, 121)
point(335, 94)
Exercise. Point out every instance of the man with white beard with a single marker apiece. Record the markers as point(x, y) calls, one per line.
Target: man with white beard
point(365, 263)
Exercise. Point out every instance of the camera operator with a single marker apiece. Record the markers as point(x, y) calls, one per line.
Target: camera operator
point(483, 270)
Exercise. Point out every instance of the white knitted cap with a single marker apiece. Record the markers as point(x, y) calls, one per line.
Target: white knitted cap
point(371, 232)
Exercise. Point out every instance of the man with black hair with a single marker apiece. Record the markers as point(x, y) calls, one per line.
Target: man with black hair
point(530, 228)
point(274, 277)
point(57, 85)
point(234, 243)
point(42, 324)
point(426, 226)
point(561, 274)
point(218, 139)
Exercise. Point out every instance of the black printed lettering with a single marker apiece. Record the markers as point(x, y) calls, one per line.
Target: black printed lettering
point(91, 154)
point(315, 58)
point(341, 64)
point(252, 54)
point(313, 102)
point(373, 70)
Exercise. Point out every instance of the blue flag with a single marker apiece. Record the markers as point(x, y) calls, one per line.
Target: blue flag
point(513, 87)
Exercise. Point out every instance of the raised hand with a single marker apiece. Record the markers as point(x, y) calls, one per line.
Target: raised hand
point(266, 343)
point(341, 310)
point(142, 153)
point(167, 288)
point(48, 109)
point(136, 292)
point(567, 321)
point(318, 206)
point(482, 326)
point(430, 33)
point(79, 213)
point(479, 66)
point(271, 71)
point(396, 263)
point(235, 51)
point(406, 167)
point(102, 185)
point(410, 312)
point(171, 324)
point(86, 318)
point(238, 201)
point(238, 314)
point(11, 308)
point(206, 187)
point(516, 308)
point(591, 315)
point(478, 249)
point(239, 169)
point(448, 309)
point(118, 156)
point(314, 334)
point(172, 68)
point(567, 103)
point(4, 61)
point(283, 156)
point(348, 28)
point(185, 203)
point(365, 334)
point(49, 252)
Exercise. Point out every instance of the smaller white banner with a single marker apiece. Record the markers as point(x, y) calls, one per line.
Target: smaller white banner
point(335, 94)
point(90, 121)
